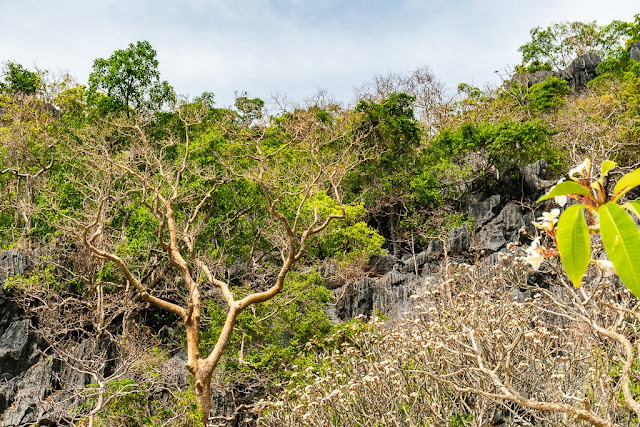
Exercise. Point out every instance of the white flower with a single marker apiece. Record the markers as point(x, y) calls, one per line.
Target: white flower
point(534, 254)
point(605, 266)
point(585, 166)
point(561, 200)
point(549, 219)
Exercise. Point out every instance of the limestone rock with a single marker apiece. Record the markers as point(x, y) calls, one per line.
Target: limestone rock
point(503, 229)
point(533, 176)
point(382, 264)
point(459, 239)
point(634, 51)
point(484, 210)
point(581, 70)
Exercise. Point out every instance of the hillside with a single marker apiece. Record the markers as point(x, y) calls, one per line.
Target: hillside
point(166, 261)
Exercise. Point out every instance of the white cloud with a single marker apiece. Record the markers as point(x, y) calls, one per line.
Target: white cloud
point(289, 46)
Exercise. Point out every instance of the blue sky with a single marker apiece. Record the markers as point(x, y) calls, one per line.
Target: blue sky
point(289, 47)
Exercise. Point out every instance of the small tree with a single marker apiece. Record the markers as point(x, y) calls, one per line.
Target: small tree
point(17, 79)
point(150, 209)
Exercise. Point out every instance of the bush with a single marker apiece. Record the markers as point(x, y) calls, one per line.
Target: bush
point(476, 349)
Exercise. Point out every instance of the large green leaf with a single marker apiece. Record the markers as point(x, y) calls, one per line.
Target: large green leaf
point(605, 168)
point(621, 239)
point(633, 207)
point(574, 243)
point(564, 188)
point(626, 183)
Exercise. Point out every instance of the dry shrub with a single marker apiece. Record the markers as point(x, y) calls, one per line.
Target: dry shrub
point(484, 348)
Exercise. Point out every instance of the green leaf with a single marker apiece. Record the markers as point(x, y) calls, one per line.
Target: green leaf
point(621, 239)
point(574, 243)
point(564, 188)
point(605, 168)
point(626, 183)
point(633, 207)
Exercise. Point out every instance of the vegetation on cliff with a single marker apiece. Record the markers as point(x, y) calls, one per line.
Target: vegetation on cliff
point(165, 224)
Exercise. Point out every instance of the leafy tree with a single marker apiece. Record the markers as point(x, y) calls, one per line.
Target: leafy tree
point(17, 79)
point(30, 134)
point(548, 94)
point(394, 137)
point(128, 79)
point(605, 214)
point(557, 45)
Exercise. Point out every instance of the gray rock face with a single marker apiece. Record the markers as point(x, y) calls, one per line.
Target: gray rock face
point(18, 349)
point(12, 262)
point(503, 229)
point(459, 239)
point(23, 379)
point(382, 264)
point(484, 210)
point(22, 398)
point(581, 70)
point(533, 176)
point(530, 79)
point(634, 51)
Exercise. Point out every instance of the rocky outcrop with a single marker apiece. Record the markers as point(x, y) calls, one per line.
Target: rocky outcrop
point(581, 70)
point(634, 51)
point(23, 377)
point(533, 177)
point(12, 262)
point(390, 282)
point(503, 229)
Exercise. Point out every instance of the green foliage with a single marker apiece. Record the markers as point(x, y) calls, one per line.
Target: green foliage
point(268, 338)
point(620, 234)
point(621, 239)
point(140, 408)
point(129, 78)
point(394, 138)
point(17, 79)
point(506, 144)
point(573, 243)
point(351, 241)
point(557, 45)
point(41, 278)
point(548, 94)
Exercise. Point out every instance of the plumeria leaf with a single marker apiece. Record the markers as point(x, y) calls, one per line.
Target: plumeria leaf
point(626, 183)
point(621, 239)
point(605, 168)
point(633, 207)
point(574, 243)
point(564, 188)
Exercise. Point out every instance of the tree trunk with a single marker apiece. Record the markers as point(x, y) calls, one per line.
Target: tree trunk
point(203, 395)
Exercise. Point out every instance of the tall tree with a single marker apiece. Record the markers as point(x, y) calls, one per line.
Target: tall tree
point(130, 80)
point(173, 187)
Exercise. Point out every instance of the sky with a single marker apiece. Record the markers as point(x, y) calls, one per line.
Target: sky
point(290, 47)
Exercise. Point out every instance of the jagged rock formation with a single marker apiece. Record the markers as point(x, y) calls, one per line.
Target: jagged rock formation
point(634, 51)
point(580, 72)
point(23, 378)
point(390, 282)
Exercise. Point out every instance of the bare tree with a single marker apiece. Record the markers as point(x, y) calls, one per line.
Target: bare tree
point(491, 344)
point(297, 163)
point(28, 138)
point(432, 105)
